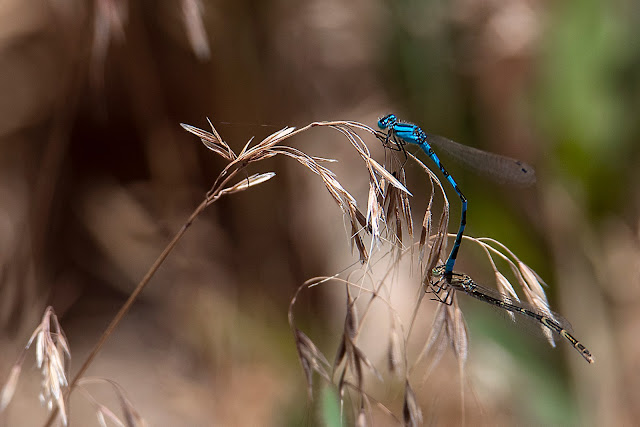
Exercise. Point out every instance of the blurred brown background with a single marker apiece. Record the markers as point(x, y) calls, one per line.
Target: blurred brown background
point(97, 175)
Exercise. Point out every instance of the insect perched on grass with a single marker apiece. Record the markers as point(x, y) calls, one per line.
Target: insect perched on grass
point(498, 167)
point(551, 321)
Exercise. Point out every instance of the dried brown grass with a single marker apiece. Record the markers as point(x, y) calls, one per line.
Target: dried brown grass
point(383, 239)
point(56, 387)
point(374, 284)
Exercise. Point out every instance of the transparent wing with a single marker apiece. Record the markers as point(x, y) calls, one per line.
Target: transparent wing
point(500, 168)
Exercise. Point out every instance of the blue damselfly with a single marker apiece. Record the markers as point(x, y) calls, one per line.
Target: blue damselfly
point(498, 167)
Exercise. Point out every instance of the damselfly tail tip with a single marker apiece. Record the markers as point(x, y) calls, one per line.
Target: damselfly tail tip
point(588, 357)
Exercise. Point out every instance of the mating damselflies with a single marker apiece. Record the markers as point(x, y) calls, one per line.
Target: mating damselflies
point(552, 321)
point(498, 167)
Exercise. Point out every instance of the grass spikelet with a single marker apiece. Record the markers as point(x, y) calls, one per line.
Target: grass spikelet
point(412, 415)
point(434, 345)
point(374, 214)
point(505, 286)
point(132, 417)
point(52, 358)
point(246, 183)
point(459, 334)
point(394, 349)
point(213, 141)
point(361, 419)
point(311, 358)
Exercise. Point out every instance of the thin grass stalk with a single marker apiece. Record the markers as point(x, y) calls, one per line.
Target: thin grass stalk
point(128, 304)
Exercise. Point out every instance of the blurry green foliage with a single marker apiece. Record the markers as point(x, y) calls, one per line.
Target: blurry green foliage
point(584, 112)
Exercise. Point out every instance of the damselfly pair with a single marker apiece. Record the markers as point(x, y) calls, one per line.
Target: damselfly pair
point(502, 168)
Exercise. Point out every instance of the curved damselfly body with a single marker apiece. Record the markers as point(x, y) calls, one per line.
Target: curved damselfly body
point(498, 167)
point(553, 322)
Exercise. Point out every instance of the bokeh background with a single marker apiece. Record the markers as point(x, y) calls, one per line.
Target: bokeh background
point(97, 175)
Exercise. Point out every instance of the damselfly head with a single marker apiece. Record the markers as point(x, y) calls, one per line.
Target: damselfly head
point(387, 121)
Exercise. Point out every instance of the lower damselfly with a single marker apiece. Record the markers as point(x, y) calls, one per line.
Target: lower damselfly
point(464, 283)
